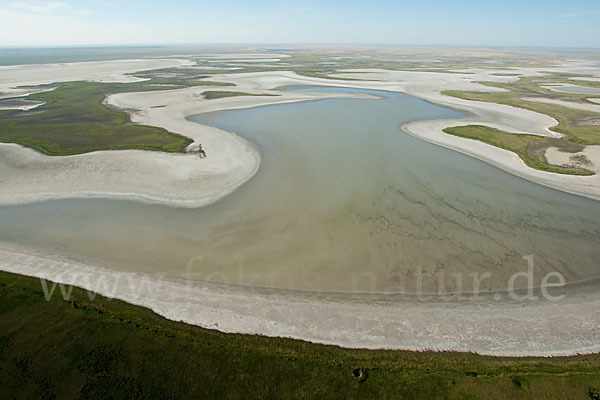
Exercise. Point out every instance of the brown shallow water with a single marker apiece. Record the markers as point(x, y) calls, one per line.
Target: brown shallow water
point(343, 201)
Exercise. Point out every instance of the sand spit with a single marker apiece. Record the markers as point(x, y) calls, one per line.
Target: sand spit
point(183, 180)
point(502, 327)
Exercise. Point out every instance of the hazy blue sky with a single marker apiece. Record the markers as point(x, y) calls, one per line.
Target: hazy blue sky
point(458, 22)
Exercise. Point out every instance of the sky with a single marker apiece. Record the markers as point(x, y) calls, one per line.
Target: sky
point(549, 23)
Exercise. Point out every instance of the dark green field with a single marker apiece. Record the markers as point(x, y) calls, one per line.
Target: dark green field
point(74, 121)
point(104, 348)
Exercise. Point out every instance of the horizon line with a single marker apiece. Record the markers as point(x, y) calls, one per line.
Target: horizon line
point(289, 44)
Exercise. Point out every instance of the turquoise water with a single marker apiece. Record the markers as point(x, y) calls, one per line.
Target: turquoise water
point(344, 200)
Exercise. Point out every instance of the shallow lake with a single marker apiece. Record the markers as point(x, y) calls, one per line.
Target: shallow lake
point(343, 201)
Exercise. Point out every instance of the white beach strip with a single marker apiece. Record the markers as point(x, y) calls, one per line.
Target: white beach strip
point(504, 327)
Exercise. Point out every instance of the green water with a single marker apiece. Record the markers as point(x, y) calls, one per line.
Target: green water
point(344, 200)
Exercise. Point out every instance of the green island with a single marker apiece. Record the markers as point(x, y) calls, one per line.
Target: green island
point(74, 119)
point(530, 148)
point(578, 126)
point(101, 348)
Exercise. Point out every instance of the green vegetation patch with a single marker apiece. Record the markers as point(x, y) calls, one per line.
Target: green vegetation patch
point(100, 348)
point(74, 121)
point(572, 123)
point(181, 77)
point(530, 148)
point(218, 94)
point(577, 125)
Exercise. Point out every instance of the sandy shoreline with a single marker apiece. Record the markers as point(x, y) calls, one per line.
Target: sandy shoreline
point(500, 328)
point(185, 180)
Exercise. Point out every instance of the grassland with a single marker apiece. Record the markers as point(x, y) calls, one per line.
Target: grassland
point(574, 124)
point(100, 348)
point(73, 119)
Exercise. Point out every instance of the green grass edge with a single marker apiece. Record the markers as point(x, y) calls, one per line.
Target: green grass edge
point(103, 348)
